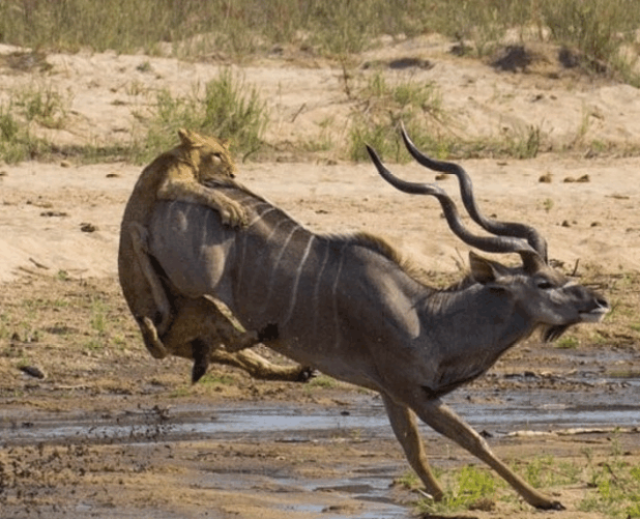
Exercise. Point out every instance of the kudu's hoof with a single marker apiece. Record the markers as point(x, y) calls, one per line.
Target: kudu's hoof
point(198, 371)
point(557, 505)
point(307, 374)
point(200, 351)
point(550, 505)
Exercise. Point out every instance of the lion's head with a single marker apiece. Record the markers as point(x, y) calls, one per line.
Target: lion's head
point(209, 156)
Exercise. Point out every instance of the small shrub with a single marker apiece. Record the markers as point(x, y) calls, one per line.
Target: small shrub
point(229, 113)
point(322, 381)
point(12, 137)
point(226, 109)
point(144, 67)
point(214, 380)
point(567, 343)
point(385, 108)
point(16, 141)
point(597, 28)
point(44, 105)
point(526, 144)
point(473, 488)
point(409, 480)
point(99, 316)
point(548, 205)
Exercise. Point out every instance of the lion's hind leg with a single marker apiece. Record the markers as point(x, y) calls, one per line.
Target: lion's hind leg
point(150, 326)
point(201, 327)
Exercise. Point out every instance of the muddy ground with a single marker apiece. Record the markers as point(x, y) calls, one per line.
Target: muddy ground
point(91, 426)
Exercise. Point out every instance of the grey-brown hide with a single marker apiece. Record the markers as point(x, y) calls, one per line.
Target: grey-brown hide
point(349, 307)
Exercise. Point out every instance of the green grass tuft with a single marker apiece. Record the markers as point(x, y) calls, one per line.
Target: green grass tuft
point(227, 109)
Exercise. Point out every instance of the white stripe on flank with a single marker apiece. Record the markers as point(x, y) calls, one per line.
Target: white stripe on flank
point(246, 237)
point(275, 230)
point(276, 263)
point(294, 292)
point(334, 291)
point(241, 259)
point(316, 288)
point(205, 229)
point(260, 216)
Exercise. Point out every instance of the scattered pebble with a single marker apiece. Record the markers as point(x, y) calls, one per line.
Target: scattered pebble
point(50, 214)
point(33, 371)
point(546, 178)
point(88, 227)
point(583, 179)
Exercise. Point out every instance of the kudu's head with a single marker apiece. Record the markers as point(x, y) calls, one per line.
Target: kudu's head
point(539, 293)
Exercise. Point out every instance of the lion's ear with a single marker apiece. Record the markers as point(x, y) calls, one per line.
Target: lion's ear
point(188, 138)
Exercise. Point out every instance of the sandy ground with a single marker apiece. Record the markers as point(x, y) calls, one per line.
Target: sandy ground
point(61, 309)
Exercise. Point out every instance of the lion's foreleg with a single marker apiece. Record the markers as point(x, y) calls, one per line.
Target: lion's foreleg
point(231, 212)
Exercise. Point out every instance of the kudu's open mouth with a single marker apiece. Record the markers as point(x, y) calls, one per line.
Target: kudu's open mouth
point(596, 315)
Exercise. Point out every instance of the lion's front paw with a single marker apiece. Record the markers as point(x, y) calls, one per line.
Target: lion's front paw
point(234, 215)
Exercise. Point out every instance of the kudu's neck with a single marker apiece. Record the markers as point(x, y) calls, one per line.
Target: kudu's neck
point(467, 329)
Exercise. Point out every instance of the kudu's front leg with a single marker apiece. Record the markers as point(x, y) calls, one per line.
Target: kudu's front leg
point(403, 422)
point(445, 421)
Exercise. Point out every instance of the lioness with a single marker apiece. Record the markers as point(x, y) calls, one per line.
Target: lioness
point(172, 323)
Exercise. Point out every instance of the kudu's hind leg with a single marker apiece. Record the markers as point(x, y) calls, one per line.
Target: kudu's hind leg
point(445, 421)
point(403, 422)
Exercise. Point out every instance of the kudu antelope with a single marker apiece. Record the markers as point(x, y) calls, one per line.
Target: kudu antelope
point(351, 308)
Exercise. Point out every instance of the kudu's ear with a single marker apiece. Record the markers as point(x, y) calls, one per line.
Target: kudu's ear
point(532, 262)
point(482, 270)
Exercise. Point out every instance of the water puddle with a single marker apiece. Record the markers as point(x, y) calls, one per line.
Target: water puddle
point(370, 486)
point(536, 410)
point(603, 392)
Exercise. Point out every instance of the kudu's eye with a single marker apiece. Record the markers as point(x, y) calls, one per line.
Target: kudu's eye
point(544, 284)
